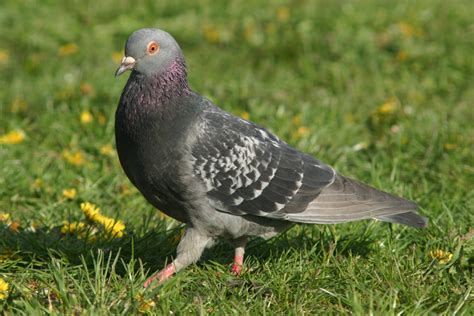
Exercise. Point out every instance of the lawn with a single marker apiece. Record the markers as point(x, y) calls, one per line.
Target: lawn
point(381, 90)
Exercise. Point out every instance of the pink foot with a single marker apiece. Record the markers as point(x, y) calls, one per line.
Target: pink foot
point(162, 275)
point(238, 264)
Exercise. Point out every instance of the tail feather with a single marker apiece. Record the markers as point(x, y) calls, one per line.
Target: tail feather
point(350, 200)
point(409, 218)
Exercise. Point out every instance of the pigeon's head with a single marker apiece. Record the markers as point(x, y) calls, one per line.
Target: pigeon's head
point(149, 52)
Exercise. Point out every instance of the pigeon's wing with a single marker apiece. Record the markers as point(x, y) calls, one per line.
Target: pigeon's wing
point(247, 170)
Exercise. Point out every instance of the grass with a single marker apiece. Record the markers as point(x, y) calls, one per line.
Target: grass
point(381, 90)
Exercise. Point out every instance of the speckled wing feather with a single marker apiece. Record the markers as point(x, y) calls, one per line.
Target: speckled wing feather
point(247, 170)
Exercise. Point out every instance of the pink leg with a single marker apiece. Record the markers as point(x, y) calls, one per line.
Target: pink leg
point(239, 255)
point(162, 275)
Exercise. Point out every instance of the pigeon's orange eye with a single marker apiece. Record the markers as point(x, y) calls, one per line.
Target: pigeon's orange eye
point(153, 48)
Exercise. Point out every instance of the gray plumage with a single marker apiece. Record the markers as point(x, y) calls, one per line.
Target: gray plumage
point(222, 175)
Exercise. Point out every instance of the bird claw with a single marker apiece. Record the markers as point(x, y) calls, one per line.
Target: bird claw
point(236, 269)
point(162, 275)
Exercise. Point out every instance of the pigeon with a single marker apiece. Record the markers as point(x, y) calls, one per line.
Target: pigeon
point(223, 176)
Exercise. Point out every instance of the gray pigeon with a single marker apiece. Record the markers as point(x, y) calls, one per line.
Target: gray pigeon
point(223, 176)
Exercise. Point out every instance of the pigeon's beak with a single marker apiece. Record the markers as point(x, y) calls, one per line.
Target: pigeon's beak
point(127, 64)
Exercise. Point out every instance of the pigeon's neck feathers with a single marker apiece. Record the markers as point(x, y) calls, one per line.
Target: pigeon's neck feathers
point(173, 82)
point(154, 99)
point(158, 90)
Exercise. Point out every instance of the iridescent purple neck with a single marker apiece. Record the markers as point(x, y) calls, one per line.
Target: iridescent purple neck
point(155, 91)
point(173, 82)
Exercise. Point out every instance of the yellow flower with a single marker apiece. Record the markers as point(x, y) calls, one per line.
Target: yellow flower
point(37, 184)
point(125, 189)
point(68, 49)
point(115, 228)
point(12, 138)
point(70, 194)
point(402, 55)
point(245, 115)
point(283, 13)
point(90, 210)
point(81, 229)
point(4, 217)
point(296, 120)
point(92, 213)
point(107, 150)
point(408, 30)
point(86, 89)
point(3, 289)
point(74, 227)
point(441, 256)
point(117, 57)
point(74, 157)
point(302, 131)
point(211, 34)
point(450, 146)
point(4, 56)
point(145, 304)
point(18, 105)
point(86, 117)
point(15, 226)
point(388, 107)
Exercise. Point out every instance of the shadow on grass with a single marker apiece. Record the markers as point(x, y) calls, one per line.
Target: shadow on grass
point(156, 247)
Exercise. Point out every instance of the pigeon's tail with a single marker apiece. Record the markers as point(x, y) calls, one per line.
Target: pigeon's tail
point(348, 200)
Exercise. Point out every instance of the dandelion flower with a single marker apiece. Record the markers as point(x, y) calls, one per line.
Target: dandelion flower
point(86, 117)
point(74, 157)
point(388, 107)
point(37, 184)
point(86, 89)
point(441, 256)
point(15, 226)
point(408, 30)
point(90, 210)
point(296, 120)
point(3, 289)
point(12, 138)
point(301, 132)
point(211, 34)
point(4, 217)
point(107, 150)
point(74, 227)
point(402, 55)
point(68, 49)
point(70, 194)
point(450, 146)
point(92, 213)
point(145, 305)
point(80, 229)
point(4, 56)
point(245, 115)
point(283, 13)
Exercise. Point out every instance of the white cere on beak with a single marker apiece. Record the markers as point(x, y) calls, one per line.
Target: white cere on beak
point(127, 64)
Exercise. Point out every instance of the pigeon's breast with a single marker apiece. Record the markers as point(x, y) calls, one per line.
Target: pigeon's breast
point(150, 149)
